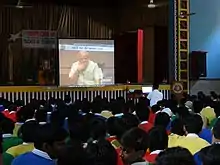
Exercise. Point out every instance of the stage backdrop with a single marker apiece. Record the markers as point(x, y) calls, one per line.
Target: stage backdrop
point(21, 65)
point(205, 33)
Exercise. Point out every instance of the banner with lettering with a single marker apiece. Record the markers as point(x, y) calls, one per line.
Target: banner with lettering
point(39, 39)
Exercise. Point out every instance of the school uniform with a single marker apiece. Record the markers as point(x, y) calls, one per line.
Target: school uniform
point(16, 151)
point(192, 142)
point(152, 156)
point(146, 126)
point(36, 157)
point(10, 141)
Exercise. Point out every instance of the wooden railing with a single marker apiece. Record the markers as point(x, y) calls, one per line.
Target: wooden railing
point(26, 93)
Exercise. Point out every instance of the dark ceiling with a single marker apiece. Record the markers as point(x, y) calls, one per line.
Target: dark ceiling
point(84, 3)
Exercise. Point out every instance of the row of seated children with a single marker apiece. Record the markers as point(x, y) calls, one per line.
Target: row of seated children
point(88, 128)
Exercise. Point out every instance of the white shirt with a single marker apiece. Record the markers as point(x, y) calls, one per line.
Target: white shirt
point(154, 97)
point(89, 75)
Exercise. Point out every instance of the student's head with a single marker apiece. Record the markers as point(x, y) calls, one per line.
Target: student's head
point(155, 86)
point(216, 132)
point(101, 152)
point(175, 156)
point(193, 124)
point(25, 113)
point(210, 155)
point(177, 127)
point(162, 119)
point(67, 99)
point(73, 155)
point(129, 121)
point(115, 127)
point(135, 144)
point(41, 115)
point(28, 131)
point(57, 119)
point(142, 112)
point(98, 128)
point(155, 108)
point(50, 139)
point(7, 126)
point(158, 139)
point(78, 128)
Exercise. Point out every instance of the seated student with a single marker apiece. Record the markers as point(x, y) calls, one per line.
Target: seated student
point(193, 126)
point(158, 141)
point(78, 129)
point(97, 129)
point(28, 136)
point(216, 133)
point(7, 127)
point(177, 132)
point(142, 113)
point(48, 144)
point(41, 116)
point(1, 161)
point(115, 129)
point(153, 112)
point(162, 119)
point(129, 121)
point(134, 146)
point(73, 155)
point(175, 156)
point(24, 114)
point(210, 155)
point(206, 133)
point(101, 152)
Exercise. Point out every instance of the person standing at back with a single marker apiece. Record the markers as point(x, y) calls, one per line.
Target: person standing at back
point(155, 95)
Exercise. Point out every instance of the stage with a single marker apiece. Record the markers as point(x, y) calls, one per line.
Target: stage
point(27, 93)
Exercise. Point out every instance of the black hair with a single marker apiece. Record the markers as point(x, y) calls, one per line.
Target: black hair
point(78, 128)
point(155, 108)
point(210, 155)
point(73, 155)
point(41, 115)
point(158, 138)
point(97, 128)
point(177, 127)
point(197, 106)
point(142, 112)
point(129, 121)
point(28, 131)
point(216, 129)
point(57, 119)
point(115, 127)
point(136, 139)
point(193, 123)
point(101, 152)
point(49, 134)
point(25, 113)
point(183, 112)
point(7, 126)
point(162, 119)
point(175, 156)
point(155, 86)
point(67, 99)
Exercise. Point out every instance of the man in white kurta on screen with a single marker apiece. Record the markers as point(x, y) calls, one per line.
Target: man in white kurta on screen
point(84, 71)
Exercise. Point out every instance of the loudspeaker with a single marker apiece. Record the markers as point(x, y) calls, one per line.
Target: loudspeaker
point(197, 65)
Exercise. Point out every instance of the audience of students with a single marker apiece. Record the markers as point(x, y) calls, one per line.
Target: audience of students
point(115, 132)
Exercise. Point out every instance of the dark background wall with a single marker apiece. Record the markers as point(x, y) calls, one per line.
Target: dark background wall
point(80, 21)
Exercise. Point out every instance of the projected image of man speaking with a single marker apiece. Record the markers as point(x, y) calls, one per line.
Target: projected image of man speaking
point(84, 71)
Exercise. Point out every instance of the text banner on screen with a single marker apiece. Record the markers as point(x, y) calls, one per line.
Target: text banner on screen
point(84, 47)
point(39, 39)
